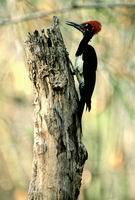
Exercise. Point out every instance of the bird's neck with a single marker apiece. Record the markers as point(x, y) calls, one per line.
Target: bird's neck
point(87, 37)
point(83, 44)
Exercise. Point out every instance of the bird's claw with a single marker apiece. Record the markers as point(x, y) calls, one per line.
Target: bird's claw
point(81, 85)
point(72, 72)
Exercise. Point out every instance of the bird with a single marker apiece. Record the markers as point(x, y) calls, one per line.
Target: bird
point(86, 72)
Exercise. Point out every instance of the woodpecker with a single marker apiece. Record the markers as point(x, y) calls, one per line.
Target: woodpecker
point(86, 73)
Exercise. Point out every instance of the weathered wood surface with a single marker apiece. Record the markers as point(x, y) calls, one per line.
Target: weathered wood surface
point(59, 154)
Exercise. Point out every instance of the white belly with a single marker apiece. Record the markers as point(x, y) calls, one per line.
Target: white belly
point(79, 64)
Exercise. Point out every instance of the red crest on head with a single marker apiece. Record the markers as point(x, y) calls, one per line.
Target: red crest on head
point(95, 24)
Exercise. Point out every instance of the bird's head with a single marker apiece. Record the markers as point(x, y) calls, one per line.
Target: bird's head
point(93, 27)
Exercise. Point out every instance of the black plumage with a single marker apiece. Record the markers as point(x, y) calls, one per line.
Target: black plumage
point(89, 72)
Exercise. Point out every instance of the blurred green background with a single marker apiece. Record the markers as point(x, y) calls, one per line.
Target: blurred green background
point(108, 130)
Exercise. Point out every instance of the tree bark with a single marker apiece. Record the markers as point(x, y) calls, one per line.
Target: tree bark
point(59, 154)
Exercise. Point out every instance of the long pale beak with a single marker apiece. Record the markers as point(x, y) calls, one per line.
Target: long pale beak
point(75, 25)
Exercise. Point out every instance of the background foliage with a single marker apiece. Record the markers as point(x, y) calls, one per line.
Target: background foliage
point(108, 130)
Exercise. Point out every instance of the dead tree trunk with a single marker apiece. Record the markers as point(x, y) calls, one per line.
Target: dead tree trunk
point(59, 154)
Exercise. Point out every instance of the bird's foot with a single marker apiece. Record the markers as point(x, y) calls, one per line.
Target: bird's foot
point(81, 88)
point(81, 85)
point(72, 72)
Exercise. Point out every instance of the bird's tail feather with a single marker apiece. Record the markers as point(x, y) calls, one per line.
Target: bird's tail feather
point(88, 105)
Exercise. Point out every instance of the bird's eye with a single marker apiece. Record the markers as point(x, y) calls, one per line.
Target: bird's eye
point(86, 27)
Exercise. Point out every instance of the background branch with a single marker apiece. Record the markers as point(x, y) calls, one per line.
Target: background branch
point(41, 14)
